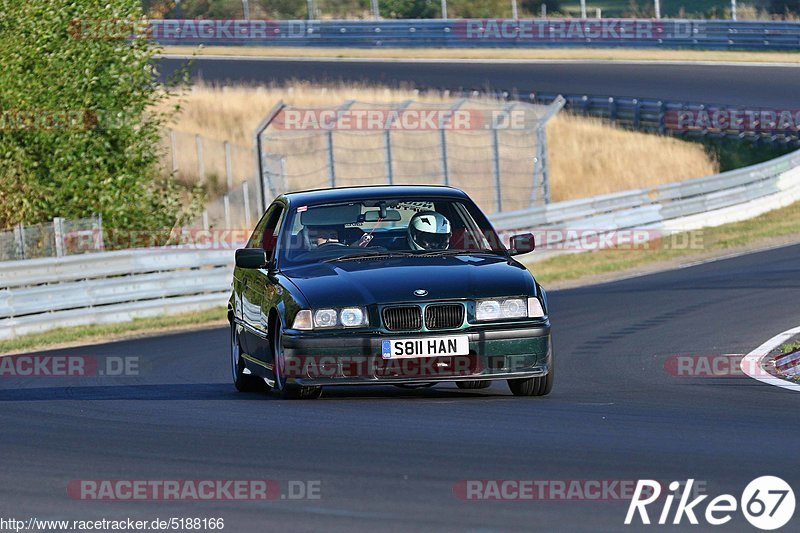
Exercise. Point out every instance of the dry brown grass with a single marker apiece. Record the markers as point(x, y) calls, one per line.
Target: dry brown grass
point(610, 54)
point(590, 157)
point(587, 156)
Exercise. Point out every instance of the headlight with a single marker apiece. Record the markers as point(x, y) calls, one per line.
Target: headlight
point(348, 317)
point(487, 310)
point(506, 308)
point(325, 318)
point(352, 317)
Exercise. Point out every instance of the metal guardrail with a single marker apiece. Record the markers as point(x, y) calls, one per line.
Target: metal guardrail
point(46, 293)
point(788, 364)
point(684, 119)
point(680, 206)
point(485, 33)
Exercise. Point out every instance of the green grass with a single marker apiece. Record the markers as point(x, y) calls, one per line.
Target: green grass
point(790, 346)
point(98, 332)
point(778, 223)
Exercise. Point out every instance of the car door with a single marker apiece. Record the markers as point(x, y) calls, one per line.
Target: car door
point(259, 290)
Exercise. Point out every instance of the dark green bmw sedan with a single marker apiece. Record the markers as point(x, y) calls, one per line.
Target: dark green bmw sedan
point(403, 285)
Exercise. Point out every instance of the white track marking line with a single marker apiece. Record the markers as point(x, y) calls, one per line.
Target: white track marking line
point(754, 360)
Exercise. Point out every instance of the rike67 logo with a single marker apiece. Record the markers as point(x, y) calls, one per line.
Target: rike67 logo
point(767, 503)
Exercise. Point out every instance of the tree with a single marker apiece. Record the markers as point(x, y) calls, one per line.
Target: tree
point(409, 9)
point(535, 6)
point(80, 134)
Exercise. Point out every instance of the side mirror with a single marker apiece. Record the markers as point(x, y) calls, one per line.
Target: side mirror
point(251, 258)
point(522, 244)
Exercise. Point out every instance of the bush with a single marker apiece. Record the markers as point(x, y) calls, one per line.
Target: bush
point(781, 7)
point(79, 135)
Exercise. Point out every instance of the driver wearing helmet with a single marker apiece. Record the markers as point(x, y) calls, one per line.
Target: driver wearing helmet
point(429, 230)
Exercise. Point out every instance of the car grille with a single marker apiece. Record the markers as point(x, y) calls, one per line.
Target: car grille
point(402, 318)
point(444, 316)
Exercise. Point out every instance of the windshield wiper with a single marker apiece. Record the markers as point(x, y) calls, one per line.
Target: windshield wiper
point(456, 252)
point(365, 255)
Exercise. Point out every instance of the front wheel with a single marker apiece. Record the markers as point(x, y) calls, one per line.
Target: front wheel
point(532, 386)
point(288, 391)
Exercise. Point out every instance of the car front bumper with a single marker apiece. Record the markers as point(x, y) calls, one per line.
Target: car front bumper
point(355, 359)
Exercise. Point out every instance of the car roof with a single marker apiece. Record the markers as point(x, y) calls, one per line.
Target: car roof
point(345, 194)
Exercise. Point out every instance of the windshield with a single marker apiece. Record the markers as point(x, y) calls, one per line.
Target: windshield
point(385, 227)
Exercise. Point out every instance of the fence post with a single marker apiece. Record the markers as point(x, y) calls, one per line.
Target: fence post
point(387, 147)
point(637, 113)
point(205, 219)
point(541, 135)
point(99, 242)
point(246, 195)
point(174, 149)
point(612, 110)
point(443, 139)
point(443, 144)
point(498, 201)
point(226, 204)
point(19, 238)
point(387, 141)
point(201, 167)
point(58, 236)
point(228, 167)
point(331, 160)
point(661, 118)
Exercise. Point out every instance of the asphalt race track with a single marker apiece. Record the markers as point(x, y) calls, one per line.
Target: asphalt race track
point(741, 84)
point(389, 458)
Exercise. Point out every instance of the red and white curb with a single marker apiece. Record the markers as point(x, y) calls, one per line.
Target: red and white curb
point(752, 363)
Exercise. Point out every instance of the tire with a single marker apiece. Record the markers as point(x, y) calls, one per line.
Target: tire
point(540, 386)
point(471, 385)
point(243, 382)
point(288, 391)
point(414, 385)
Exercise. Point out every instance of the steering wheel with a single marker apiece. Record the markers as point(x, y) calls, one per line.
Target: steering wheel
point(336, 244)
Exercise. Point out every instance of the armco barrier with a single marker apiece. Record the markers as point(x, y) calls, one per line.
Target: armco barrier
point(681, 206)
point(484, 33)
point(788, 364)
point(41, 294)
point(683, 119)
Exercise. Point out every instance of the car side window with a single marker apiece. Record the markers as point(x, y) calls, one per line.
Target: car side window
point(265, 235)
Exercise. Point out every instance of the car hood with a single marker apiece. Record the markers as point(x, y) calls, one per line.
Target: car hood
point(391, 280)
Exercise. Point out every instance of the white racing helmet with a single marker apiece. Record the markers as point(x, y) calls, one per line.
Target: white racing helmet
point(429, 230)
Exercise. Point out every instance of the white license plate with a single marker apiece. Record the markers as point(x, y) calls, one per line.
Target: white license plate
point(425, 347)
